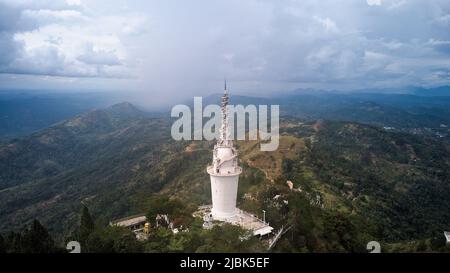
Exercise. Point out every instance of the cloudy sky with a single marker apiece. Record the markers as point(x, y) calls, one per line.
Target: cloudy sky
point(178, 48)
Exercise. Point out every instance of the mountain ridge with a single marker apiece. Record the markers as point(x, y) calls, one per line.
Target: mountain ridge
point(115, 164)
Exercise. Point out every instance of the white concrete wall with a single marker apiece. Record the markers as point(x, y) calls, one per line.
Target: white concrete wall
point(224, 193)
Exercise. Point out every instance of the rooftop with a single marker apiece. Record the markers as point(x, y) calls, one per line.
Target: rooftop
point(129, 221)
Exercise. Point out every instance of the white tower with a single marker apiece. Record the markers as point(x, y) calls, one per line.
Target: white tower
point(224, 171)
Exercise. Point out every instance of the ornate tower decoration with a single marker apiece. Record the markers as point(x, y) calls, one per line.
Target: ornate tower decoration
point(224, 171)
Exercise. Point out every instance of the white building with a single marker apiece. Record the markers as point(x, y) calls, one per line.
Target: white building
point(224, 171)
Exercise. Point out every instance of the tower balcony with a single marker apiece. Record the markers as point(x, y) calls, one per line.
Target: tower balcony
point(220, 172)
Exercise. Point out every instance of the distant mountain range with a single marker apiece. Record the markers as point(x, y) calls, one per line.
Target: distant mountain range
point(368, 181)
point(22, 113)
point(425, 115)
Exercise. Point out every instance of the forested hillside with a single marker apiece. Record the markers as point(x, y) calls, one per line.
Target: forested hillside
point(351, 183)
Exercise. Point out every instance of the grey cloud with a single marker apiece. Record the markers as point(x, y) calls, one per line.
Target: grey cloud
point(187, 47)
point(41, 61)
point(9, 48)
point(48, 57)
point(99, 57)
point(442, 46)
point(8, 18)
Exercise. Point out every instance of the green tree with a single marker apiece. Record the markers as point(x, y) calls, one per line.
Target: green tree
point(422, 246)
point(2, 245)
point(37, 239)
point(342, 230)
point(437, 242)
point(127, 243)
point(95, 243)
point(13, 242)
point(287, 166)
point(159, 241)
point(229, 239)
point(86, 224)
point(300, 218)
point(112, 239)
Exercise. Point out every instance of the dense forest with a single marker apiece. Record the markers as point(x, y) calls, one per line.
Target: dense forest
point(350, 184)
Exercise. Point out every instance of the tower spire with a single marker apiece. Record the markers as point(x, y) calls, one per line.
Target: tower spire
point(224, 129)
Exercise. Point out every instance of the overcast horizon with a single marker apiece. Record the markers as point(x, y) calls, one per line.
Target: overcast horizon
point(161, 50)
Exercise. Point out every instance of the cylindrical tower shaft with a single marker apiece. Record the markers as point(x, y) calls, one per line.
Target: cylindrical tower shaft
point(224, 172)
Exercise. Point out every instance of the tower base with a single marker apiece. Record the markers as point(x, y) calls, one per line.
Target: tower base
point(241, 218)
point(225, 217)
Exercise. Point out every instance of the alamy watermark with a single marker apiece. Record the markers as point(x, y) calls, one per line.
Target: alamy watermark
point(239, 117)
